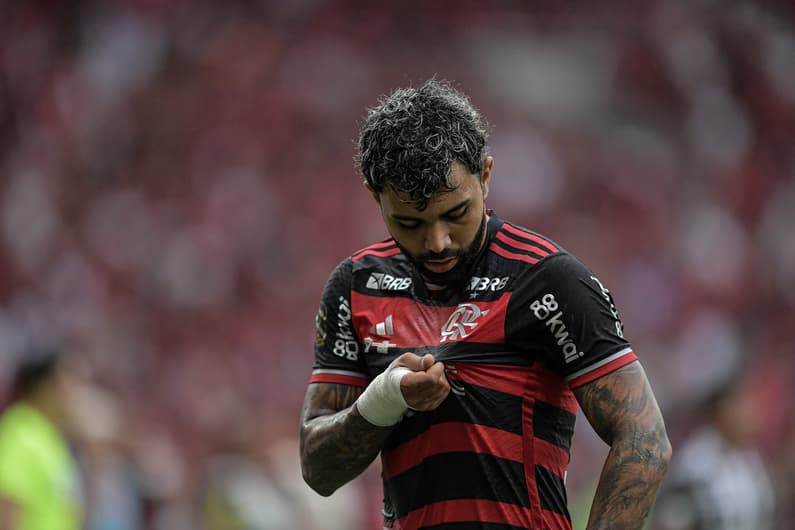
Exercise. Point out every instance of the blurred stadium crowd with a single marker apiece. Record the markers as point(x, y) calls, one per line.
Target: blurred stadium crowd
point(177, 181)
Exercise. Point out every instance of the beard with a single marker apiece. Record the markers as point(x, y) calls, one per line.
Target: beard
point(461, 271)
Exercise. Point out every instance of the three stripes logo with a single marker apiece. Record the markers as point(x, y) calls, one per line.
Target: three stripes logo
point(384, 329)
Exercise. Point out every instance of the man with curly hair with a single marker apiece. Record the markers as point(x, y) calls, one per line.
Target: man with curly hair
point(460, 348)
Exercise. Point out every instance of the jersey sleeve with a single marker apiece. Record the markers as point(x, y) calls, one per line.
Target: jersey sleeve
point(337, 346)
point(573, 321)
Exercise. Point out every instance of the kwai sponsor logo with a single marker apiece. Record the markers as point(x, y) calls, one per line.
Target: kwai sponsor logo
point(345, 343)
point(546, 310)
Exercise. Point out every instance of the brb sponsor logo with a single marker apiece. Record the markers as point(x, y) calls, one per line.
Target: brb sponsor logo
point(345, 344)
point(546, 310)
point(462, 322)
point(487, 284)
point(384, 282)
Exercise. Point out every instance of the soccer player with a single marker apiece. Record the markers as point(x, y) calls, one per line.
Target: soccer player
point(460, 347)
point(39, 482)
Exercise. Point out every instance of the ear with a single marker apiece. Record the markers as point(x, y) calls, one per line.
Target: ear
point(485, 176)
point(375, 194)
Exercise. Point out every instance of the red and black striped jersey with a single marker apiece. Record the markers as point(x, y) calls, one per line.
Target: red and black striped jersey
point(531, 324)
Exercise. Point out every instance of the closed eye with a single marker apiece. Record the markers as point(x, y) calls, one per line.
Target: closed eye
point(457, 215)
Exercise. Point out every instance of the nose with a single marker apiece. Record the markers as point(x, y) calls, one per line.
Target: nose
point(437, 238)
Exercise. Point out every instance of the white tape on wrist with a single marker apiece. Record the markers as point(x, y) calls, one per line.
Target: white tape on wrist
point(382, 402)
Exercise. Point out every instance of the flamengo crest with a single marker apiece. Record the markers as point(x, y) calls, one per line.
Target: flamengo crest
point(462, 322)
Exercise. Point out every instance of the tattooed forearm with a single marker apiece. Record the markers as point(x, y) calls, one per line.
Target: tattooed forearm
point(622, 409)
point(337, 444)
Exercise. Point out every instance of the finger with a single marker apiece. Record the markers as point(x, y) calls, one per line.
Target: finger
point(427, 361)
point(440, 390)
point(421, 382)
point(437, 372)
point(417, 382)
point(424, 392)
point(443, 387)
point(430, 400)
point(410, 360)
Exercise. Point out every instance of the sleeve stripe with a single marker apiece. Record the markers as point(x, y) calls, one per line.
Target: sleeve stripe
point(342, 377)
point(525, 234)
point(339, 372)
point(512, 255)
point(604, 370)
point(607, 360)
point(536, 249)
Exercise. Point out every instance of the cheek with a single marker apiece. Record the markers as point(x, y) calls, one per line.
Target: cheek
point(462, 235)
point(410, 242)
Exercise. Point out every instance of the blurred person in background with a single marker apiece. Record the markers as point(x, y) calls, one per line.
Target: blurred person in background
point(40, 486)
point(103, 436)
point(252, 481)
point(460, 348)
point(719, 480)
point(785, 471)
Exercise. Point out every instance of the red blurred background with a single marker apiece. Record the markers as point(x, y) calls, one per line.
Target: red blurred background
point(177, 181)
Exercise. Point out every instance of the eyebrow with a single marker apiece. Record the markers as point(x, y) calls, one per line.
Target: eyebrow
point(458, 206)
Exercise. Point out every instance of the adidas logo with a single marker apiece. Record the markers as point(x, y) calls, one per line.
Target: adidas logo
point(385, 282)
point(384, 329)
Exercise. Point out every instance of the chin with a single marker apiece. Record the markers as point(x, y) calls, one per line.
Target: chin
point(455, 276)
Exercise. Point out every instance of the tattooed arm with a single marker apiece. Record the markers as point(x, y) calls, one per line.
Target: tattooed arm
point(623, 411)
point(337, 443)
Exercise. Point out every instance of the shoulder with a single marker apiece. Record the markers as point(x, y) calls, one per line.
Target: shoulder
point(515, 243)
point(24, 431)
point(537, 261)
point(366, 257)
point(380, 266)
point(383, 256)
point(381, 250)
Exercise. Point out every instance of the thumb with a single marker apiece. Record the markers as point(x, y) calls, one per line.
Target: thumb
point(414, 362)
point(426, 361)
